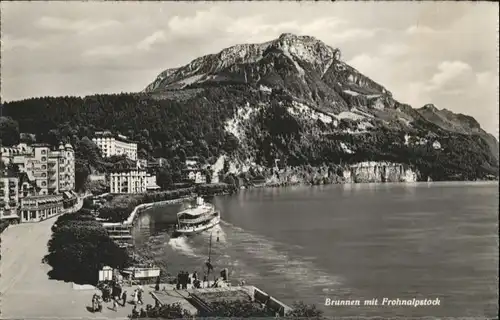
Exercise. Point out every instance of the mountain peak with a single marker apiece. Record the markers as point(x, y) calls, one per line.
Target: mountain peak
point(292, 36)
point(430, 107)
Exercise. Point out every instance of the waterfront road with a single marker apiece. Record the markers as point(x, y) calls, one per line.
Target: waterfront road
point(25, 288)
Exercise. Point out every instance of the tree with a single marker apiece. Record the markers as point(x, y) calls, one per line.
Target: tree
point(302, 310)
point(182, 155)
point(82, 172)
point(164, 178)
point(230, 180)
point(80, 247)
point(86, 149)
point(9, 131)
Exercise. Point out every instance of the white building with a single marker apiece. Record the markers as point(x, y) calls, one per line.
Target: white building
point(142, 163)
point(9, 197)
point(127, 181)
point(111, 145)
point(52, 170)
point(195, 176)
point(151, 183)
point(38, 208)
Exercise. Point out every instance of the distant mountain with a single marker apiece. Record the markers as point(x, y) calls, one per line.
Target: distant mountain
point(460, 123)
point(291, 101)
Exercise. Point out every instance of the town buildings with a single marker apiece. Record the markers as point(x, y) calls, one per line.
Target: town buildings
point(9, 197)
point(151, 184)
point(130, 180)
point(45, 180)
point(38, 208)
point(195, 175)
point(111, 145)
point(193, 171)
point(157, 163)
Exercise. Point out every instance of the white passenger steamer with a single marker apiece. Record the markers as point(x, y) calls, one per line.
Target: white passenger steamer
point(193, 220)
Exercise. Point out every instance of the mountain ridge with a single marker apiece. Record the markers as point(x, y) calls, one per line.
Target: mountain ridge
point(348, 84)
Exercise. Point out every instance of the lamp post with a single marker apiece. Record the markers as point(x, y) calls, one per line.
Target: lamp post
point(209, 262)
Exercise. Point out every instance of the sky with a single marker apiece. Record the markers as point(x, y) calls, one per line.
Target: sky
point(445, 53)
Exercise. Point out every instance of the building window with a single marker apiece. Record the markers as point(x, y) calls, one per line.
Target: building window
point(44, 174)
point(44, 152)
point(44, 183)
point(44, 166)
point(44, 159)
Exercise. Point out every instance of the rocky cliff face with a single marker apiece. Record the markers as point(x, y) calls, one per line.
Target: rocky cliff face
point(379, 172)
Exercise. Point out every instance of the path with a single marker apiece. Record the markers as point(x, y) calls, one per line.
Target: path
point(26, 290)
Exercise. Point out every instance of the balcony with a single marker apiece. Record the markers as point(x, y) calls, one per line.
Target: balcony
point(13, 203)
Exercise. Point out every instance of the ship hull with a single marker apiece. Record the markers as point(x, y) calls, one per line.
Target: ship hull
point(186, 232)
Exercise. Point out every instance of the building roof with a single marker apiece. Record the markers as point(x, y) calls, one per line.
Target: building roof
point(40, 145)
point(44, 197)
point(108, 134)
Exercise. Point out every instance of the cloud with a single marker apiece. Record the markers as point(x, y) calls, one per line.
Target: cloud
point(420, 30)
point(202, 22)
point(447, 72)
point(145, 44)
point(10, 43)
point(108, 50)
point(149, 41)
point(364, 63)
point(80, 26)
point(394, 49)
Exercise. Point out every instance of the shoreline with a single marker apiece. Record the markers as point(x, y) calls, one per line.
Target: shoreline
point(141, 208)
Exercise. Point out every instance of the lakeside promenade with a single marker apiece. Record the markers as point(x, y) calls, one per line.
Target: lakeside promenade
point(28, 293)
point(25, 287)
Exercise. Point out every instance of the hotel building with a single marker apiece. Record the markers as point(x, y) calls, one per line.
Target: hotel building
point(111, 145)
point(52, 170)
point(38, 208)
point(9, 197)
point(131, 180)
point(44, 184)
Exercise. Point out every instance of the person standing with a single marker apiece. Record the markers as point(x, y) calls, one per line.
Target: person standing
point(157, 286)
point(139, 297)
point(124, 298)
point(94, 302)
point(135, 297)
point(115, 304)
point(178, 285)
point(99, 303)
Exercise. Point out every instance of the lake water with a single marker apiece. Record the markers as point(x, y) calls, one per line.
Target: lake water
point(351, 242)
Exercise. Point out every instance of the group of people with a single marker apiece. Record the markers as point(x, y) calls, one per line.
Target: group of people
point(116, 295)
point(141, 313)
point(183, 279)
